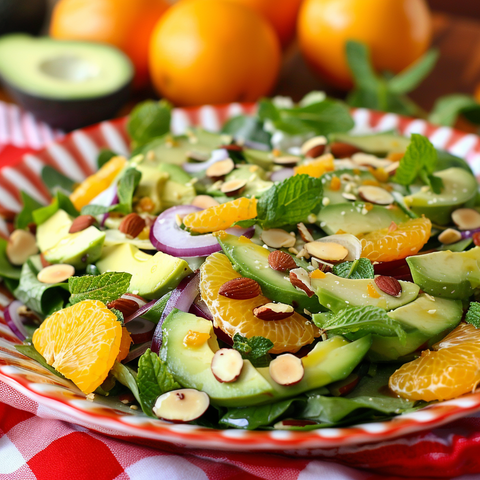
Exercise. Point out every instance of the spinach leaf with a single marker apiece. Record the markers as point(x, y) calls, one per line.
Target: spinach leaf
point(154, 313)
point(244, 127)
point(7, 270)
point(31, 352)
point(105, 287)
point(254, 349)
point(104, 156)
point(360, 268)
point(56, 181)
point(128, 377)
point(60, 202)
point(25, 217)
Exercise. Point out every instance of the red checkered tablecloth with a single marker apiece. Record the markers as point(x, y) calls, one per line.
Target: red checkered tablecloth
point(37, 443)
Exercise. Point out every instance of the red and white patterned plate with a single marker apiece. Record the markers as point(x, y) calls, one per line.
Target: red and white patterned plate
point(75, 155)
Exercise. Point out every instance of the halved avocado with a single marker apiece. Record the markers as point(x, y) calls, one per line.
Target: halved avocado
point(67, 84)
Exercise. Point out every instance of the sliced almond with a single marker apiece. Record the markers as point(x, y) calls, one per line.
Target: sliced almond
point(197, 156)
point(227, 365)
point(181, 406)
point(56, 273)
point(343, 150)
point(286, 161)
point(286, 369)
point(466, 218)
point(220, 169)
point(300, 279)
point(21, 245)
point(304, 233)
point(375, 195)
point(314, 147)
point(450, 235)
point(347, 240)
point(204, 201)
point(125, 305)
point(233, 187)
point(349, 196)
point(82, 223)
point(277, 238)
point(273, 311)
point(367, 160)
point(329, 251)
point(240, 288)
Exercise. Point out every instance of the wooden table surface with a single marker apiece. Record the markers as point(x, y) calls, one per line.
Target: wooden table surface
point(457, 71)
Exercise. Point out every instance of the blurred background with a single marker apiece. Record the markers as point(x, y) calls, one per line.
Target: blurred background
point(220, 51)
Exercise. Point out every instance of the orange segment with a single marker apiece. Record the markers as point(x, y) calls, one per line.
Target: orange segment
point(97, 183)
point(81, 342)
point(317, 167)
point(451, 371)
point(385, 246)
point(236, 316)
point(124, 345)
point(221, 216)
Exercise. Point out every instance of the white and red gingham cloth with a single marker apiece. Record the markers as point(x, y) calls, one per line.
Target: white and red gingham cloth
point(37, 444)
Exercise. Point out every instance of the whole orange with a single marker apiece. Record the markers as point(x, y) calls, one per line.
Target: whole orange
point(397, 32)
point(126, 24)
point(213, 51)
point(282, 14)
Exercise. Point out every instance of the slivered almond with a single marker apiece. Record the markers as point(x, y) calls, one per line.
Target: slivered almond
point(240, 289)
point(286, 161)
point(20, 246)
point(204, 201)
point(314, 147)
point(281, 261)
point(299, 279)
point(304, 233)
point(343, 150)
point(450, 235)
point(233, 187)
point(82, 223)
point(56, 273)
point(389, 285)
point(277, 238)
point(132, 225)
point(273, 311)
point(126, 306)
point(332, 252)
point(220, 169)
point(466, 218)
point(375, 195)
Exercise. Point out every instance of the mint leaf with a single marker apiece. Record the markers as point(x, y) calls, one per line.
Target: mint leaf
point(359, 62)
point(104, 156)
point(119, 315)
point(448, 108)
point(245, 127)
point(106, 287)
point(148, 120)
point(7, 270)
point(127, 185)
point(361, 268)
point(60, 202)
point(473, 314)
point(290, 201)
point(254, 349)
point(25, 217)
point(55, 180)
point(126, 376)
point(153, 380)
point(361, 321)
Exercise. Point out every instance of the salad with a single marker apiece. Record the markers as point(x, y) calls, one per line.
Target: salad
point(280, 274)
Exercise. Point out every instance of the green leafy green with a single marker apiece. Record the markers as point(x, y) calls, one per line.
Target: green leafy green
point(104, 156)
point(254, 349)
point(60, 202)
point(25, 217)
point(153, 380)
point(128, 377)
point(106, 287)
point(7, 270)
point(154, 313)
point(246, 127)
point(360, 268)
point(56, 181)
point(290, 201)
point(447, 109)
point(473, 314)
point(44, 298)
point(361, 321)
point(118, 314)
point(30, 352)
point(148, 120)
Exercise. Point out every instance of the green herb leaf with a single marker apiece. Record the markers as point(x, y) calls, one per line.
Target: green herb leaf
point(104, 156)
point(448, 108)
point(361, 268)
point(362, 321)
point(290, 201)
point(25, 217)
point(254, 349)
point(119, 315)
point(56, 181)
point(30, 352)
point(434, 182)
point(473, 314)
point(7, 270)
point(149, 120)
point(245, 127)
point(358, 58)
point(153, 380)
point(127, 185)
point(128, 377)
point(106, 287)
point(154, 313)
point(60, 202)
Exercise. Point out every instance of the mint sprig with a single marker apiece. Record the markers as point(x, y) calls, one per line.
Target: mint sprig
point(447, 109)
point(360, 268)
point(254, 349)
point(473, 314)
point(60, 202)
point(25, 217)
point(106, 287)
point(55, 180)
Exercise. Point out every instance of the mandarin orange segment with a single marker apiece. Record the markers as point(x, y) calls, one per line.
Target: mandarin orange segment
point(236, 316)
point(97, 183)
point(81, 342)
point(407, 239)
point(451, 371)
point(221, 216)
point(124, 345)
point(317, 167)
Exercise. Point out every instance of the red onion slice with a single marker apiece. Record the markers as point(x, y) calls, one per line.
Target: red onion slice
point(200, 309)
point(137, 352)
point(281, 175)
point(140, 330)
point(141, 311)
point(167, 237)
point(216, 156)
point(14, 320)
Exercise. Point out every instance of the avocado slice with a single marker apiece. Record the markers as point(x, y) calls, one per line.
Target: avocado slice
point(447, 274)
point(426, 320)
point(68, 84)
point(378, 144)
point(251, 260)
point(152, 275)
point(336, 293)
point(151, 185)
point(460, 187)
point(355, 219)
point(58, 246)
point(329, 361)
point(175, 172)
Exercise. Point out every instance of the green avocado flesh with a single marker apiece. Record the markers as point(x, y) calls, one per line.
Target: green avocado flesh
point(379, 144)
point(329, 361)
point(152, 275)
point(62, 70)
point(251, 260)
point(352, 218)
point(58, 246)
point(426, 320)
point(447, 274)
point(336, 293)
point(460, 187)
